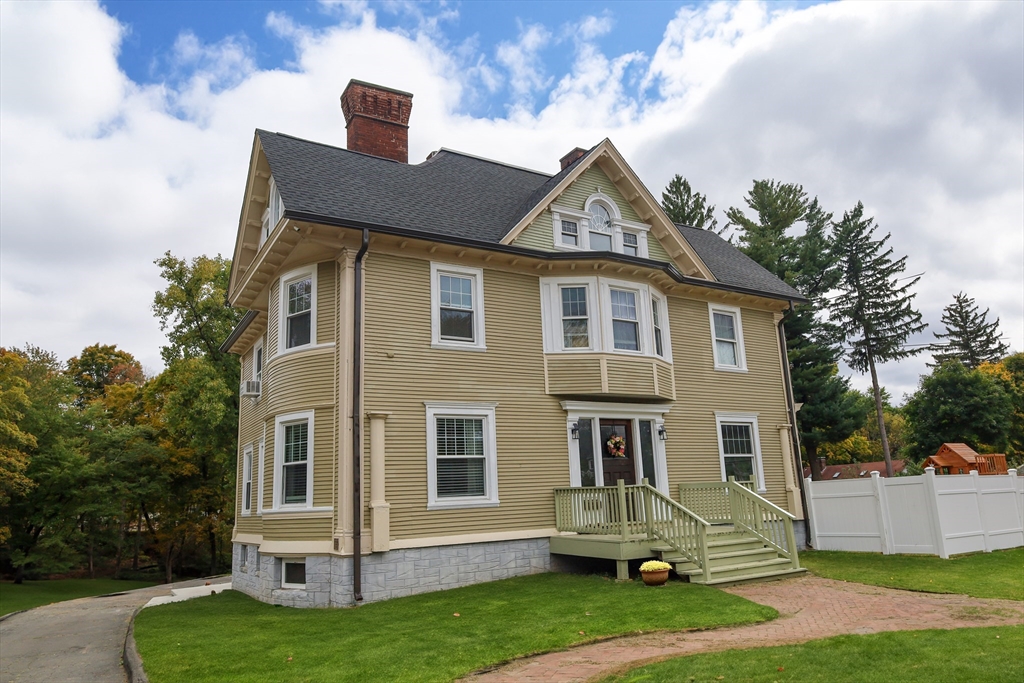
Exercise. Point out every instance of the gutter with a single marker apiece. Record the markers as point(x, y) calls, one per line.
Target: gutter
point(795, 435)
point(357, 372)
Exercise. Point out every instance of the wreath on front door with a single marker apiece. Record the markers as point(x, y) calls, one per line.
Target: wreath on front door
point(616, 446)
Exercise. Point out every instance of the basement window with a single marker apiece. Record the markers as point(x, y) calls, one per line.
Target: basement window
point(294, 574)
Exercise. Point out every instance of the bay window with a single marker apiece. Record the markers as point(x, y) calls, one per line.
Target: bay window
point(297, 318)
point(575, 322)
point(625, 328)
point(293, 461)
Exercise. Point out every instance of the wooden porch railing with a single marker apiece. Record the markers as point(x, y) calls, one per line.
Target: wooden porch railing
point(634, 511)
point(734, 502)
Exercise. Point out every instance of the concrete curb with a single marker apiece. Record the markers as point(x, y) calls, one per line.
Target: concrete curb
point(11, 614)
point(130, 658)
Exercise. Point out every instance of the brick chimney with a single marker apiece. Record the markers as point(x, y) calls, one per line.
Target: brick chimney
point(377, 120)
point(572, 156)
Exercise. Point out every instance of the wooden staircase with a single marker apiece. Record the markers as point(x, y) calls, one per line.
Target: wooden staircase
point(734, 557)
point(718, 533)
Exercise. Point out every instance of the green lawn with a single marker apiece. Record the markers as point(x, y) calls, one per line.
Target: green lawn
point(35, 593)
point(983, 575)
point(971, 655)
point(233, 637)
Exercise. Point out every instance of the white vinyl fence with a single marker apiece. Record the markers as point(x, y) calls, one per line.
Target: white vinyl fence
point(927, 514)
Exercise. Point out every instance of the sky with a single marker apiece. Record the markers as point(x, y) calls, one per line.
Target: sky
point(126, 127)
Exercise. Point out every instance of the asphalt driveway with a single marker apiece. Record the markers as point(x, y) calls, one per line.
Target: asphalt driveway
point(76, 640)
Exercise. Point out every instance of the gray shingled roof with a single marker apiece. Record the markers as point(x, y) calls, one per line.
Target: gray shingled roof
point(451, 194)
point(731, 266)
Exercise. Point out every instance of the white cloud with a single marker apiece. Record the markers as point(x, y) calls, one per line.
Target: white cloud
point(916, 109)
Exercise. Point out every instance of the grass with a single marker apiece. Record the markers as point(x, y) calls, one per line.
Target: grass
point(973, 655)
point(233, 637)
point(982, 575)
point(35, 593)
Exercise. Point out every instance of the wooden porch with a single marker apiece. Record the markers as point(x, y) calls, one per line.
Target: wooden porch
point(718, 533)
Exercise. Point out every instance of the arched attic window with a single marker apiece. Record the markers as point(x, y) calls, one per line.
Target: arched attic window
point(602, 212)
point(272, 214)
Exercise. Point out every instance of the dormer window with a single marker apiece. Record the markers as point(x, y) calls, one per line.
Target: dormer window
point(598, 226)
point(272, 214)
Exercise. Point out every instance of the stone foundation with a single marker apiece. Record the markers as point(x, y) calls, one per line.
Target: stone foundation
point(387, 575)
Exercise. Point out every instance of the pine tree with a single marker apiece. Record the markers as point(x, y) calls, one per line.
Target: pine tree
point(807, 263)
point(972, 340)
point(873, 312)
point(686, 207)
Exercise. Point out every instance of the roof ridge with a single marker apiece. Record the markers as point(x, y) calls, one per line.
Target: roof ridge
point(491, 161)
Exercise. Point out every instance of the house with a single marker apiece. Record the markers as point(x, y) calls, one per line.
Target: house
point(460, 370)
point(857, 470)
point(959, 458)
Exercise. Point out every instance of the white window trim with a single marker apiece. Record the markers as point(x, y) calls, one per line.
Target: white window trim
point(256, 348)
point(741, 354)
point(471, 410)
point(576, 410)
point(479, 342)
point(741, 418)
point(600, 315)
point(282, 317)
point(582, 220)
point(666, 338)
point(259, 470)
point(273, 213)
point(280, 422)
point(285, 584)
point(247, 462)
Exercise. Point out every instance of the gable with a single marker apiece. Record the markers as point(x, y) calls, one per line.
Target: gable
point(539, 233)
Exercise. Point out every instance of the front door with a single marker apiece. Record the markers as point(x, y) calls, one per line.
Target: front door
point(617, 453)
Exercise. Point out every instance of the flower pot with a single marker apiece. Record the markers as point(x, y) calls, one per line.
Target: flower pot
point(655, 578)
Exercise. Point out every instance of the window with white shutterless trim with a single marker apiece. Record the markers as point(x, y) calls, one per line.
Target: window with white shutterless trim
point(298, 305)
point(293, 461)
point(599, 226)
point(462, 470)
point(257, 360)
point(247, 480)
point(457, 307)
point(739, 447)
point(727, 338)
point(272, 214)
point(618, 318)
point(293, 574)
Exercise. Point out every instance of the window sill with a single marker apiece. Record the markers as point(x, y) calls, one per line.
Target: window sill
point(300, 349)
point(726, 368)
point(310, 512)
point(457, 346)
point(291, 588)
point(459, 504)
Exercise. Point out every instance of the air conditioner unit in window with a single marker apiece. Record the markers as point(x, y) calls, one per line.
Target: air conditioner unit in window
point(250, 388)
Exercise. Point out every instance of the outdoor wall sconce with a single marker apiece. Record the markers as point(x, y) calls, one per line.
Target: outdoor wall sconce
point(662, 434)
point(575, 431)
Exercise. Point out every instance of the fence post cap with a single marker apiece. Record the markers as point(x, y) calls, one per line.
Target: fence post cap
point(875, 475)
point(929, 470)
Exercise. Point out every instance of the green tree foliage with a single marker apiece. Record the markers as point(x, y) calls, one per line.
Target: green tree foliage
point(805, 261)
point(14, 443)
point(99, 366)
point(970, 337)
point(958, 404)
point(686, 207)
point(874, 313)
point(199, 395)
point(1009, 372)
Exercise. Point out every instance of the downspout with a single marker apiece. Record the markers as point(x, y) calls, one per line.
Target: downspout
point(795, 434)
point(357, 371)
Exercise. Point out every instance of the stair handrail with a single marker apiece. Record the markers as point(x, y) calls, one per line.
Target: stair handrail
point(683, 530)
point(754, 513)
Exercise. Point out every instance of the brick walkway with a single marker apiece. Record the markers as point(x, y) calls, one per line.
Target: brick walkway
point(809, 608)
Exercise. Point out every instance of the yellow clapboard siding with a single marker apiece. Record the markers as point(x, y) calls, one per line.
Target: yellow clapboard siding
point(630, 376)
point(289, 528)
point(326, 297)
point(574, 374)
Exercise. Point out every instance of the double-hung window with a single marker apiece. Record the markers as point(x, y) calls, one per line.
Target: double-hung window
point(257, 361)
point(272, 214)
point(575, 319)
point(600, 228)
point(630, 244)
point(659, 347)
point(461, 467)
point(457, 307)
point(293, 483)
point(570, 233)
point(247, 480)
point(739, 448)
point(625, 321)
point(727, 338)
point(298, 306)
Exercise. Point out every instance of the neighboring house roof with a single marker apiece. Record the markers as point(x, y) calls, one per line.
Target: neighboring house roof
point(453, 195)
point(857, 470)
